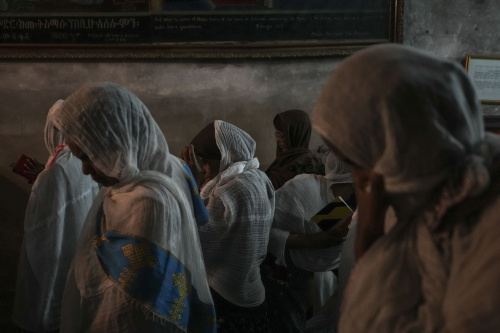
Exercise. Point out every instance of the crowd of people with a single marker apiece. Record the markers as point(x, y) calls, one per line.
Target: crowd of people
point(394, 231)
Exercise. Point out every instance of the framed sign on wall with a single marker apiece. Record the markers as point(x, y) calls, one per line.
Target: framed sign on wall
point(484, 70)
point(211, 29)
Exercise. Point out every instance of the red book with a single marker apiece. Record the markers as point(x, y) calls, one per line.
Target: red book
point(21, 168)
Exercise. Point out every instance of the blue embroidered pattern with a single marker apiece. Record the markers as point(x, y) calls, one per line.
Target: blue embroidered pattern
point(200, 212)
point(154, 277)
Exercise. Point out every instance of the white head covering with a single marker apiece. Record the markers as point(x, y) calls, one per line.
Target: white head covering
point(234, 144)
point(151, 202)
point(415, 128)
point(297, 201)
point(416, 120)
point(237, 154)
point(240, 201)
point(336, 170)
point(115, 129)
point(53, 138)
point(59, 202)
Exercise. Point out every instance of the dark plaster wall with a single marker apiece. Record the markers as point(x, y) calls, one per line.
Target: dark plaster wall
point(185, 96)
point(454, 28)
point(182, 97)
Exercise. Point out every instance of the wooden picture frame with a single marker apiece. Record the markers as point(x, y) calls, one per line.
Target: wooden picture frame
point(484, 71)
point(492, 123)
point(235, 29)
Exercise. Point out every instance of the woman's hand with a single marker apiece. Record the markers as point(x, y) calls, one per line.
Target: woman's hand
point(338, 232)
point(194, 163)
point(33, 167)
point(370, 194)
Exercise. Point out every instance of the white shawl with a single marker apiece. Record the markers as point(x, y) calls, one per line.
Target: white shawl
point(151, 203)
point(240, 201)
point(59, 202)
point(296, 203)
point(420, 129)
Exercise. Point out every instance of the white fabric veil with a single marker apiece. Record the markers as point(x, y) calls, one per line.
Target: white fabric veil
point(296, 203)
point(53, 138)
point(241, 205)
point(422, 130)
point(336, 170)
point(123, 143)
point(151, 202)
point(415, 128)
point(60, 199)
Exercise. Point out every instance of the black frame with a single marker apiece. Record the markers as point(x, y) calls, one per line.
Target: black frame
point(140, 49)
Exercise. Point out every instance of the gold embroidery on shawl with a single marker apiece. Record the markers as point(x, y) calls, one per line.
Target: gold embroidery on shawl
point(99, 239)
point(195, 188)
point(181, 282)
point(139, 256)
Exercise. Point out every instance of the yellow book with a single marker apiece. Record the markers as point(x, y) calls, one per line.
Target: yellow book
point(332, 213)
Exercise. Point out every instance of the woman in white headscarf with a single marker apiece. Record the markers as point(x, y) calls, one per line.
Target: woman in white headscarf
point(299, 246)
point(240, 200)
point(138, 265)
point(417, 145)
point(60, 199)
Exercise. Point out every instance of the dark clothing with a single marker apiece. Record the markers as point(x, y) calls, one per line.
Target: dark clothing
point(296, 162)
point(286, 295)
point(298, 159)
point(232, 318)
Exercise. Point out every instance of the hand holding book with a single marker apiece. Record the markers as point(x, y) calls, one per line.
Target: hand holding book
point(27, 167)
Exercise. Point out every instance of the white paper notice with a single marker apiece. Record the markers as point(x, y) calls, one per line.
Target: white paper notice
point(486, 76)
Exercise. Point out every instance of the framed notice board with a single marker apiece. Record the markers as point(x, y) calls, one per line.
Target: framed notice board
point(159, 29)
point(484, 71)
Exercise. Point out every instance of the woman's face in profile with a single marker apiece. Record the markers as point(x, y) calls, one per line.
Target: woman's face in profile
point(281, 141)
point(210, 169)
point(88, 167)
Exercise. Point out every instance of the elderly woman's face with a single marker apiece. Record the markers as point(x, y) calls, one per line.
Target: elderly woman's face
point(88, 167)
